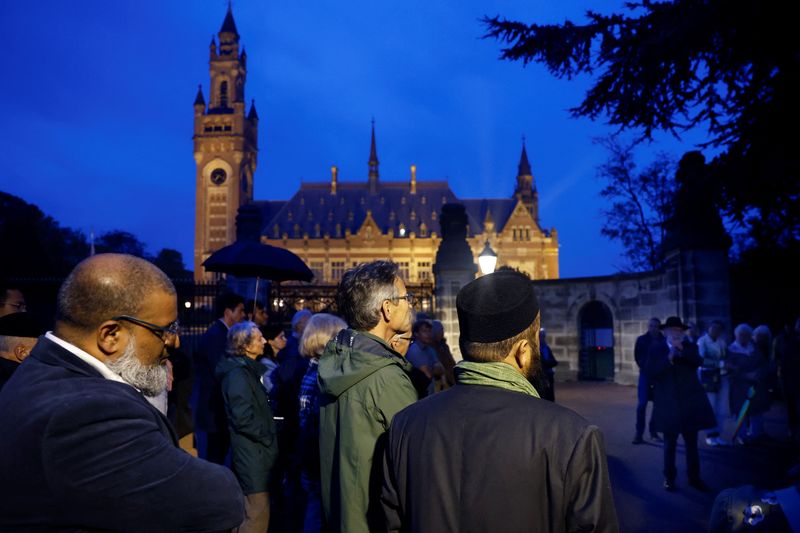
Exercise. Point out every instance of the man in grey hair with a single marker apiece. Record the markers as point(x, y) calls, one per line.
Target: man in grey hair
point(82, 448)
point(363, 383)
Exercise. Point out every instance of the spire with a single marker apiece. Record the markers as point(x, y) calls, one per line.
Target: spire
point(252, 114)
point(228, 25)
point(199, 100)
point(373, 163)
point(524, 165)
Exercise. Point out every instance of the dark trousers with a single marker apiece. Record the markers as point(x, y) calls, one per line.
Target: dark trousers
point(643, 394)
point(692, 456)
point(212, 445)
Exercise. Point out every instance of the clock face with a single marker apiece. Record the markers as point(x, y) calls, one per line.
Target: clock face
point(218, 176)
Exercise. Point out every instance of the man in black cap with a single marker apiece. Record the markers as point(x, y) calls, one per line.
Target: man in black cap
point(680, 405)
point(488, 454)
point(18, 335)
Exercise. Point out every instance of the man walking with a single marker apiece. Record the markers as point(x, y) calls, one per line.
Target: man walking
point(363, 383)
point(82, 449)
point(644, 390)
point(210, 423)
point(488, 454)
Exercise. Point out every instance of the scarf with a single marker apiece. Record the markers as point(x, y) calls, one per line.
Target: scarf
point(495, 374)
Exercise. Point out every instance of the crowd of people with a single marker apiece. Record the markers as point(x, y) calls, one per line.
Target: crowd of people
point(703, 382)
point(356, 422)
point(361, 421)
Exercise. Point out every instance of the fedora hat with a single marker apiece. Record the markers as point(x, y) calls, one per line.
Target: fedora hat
point(674, 322)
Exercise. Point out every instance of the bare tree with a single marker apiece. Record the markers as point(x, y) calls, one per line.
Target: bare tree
point(638, 203)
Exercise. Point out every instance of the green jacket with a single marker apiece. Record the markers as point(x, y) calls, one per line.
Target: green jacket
point(363, 384)
point(254, 447)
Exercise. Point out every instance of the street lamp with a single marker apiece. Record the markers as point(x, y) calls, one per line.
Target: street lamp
point(487, 260)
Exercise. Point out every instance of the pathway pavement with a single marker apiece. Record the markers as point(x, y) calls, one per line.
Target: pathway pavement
point(636, 479)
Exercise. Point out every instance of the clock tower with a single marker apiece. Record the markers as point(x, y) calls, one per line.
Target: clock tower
point(225, 147)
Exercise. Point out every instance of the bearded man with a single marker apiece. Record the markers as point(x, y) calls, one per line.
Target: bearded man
point(82, 448)
point(488, 454)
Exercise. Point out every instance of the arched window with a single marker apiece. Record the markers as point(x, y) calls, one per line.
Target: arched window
point(223, 94)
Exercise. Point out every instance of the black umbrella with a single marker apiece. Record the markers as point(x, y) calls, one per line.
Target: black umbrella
point(249, 259)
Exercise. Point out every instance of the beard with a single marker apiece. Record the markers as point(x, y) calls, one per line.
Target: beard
point(151, 380)
point(533, 372)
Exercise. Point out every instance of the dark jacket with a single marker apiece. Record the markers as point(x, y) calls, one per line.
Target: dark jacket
point(252, 428)
point(363, 383)
point(81, 452)
point(207, 405)
point(679, 401)
point(642, 347)
point(7, 369)
point(286, 381)
point(478, 458)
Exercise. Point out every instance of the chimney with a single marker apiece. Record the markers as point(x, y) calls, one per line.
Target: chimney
point(413, 179)
point(334, 177)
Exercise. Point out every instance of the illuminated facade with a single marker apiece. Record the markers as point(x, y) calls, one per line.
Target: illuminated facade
point(333, 225)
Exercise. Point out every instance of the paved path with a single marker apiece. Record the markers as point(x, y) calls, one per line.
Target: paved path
point(636, 478)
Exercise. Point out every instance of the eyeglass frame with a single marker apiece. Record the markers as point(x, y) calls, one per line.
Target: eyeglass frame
point(408, 296)
point(172, 329)
point(19, 306)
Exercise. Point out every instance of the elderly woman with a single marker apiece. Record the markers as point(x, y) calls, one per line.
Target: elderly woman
point(253, 443)
point(748, 368)
point(319, 330)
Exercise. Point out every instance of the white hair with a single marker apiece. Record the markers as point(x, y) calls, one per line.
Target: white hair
point(743, 328)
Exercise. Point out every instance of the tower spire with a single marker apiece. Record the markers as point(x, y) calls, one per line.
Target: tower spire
point(524, 165)
point(373, 163)
point(228, 25)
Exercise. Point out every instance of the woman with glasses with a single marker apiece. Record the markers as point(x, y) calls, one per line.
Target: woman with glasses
point(253, 443)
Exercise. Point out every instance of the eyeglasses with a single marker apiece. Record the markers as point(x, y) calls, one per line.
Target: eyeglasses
point(162, 332)
point(19, 306)
point(409, 297)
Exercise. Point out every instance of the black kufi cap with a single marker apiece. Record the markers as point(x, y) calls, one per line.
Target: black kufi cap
point(21, 325)
point(496, 307)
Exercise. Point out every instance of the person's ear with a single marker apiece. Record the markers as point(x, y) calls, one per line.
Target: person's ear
point(522, 353)
point(111, 337)
point(386, 310)
point(20, 352)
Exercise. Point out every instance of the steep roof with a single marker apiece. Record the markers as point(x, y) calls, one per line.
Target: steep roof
point(228, 25)
point(314, 211)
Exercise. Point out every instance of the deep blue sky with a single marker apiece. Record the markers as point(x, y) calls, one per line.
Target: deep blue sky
point(98, 108)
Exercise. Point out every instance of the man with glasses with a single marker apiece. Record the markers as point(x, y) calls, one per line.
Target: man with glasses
point(11, 301)
point(81, 447)
point(363, 383)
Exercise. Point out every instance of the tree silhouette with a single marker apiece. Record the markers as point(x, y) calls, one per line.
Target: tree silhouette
point(732, 66)
point(639, 203)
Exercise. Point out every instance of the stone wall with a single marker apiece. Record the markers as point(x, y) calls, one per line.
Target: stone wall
point(632, 299)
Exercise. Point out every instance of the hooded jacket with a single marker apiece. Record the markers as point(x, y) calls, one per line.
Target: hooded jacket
point(363, 384)
point(252, 428)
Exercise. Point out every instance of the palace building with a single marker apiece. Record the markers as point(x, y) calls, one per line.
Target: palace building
point(335, 224)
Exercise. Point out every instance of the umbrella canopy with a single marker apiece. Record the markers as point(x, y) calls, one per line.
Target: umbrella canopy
point(248, 259)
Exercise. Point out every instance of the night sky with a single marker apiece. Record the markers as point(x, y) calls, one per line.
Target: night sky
point(98, 109)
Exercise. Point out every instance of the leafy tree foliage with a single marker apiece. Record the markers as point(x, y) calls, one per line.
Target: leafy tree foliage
point(732, 66)
point(35, 245)
point(120, 242)
point(638, 203)
point(171, 262)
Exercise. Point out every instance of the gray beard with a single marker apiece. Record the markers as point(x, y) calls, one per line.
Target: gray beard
point(151, 380)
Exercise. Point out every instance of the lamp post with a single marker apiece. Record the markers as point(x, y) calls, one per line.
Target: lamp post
point(487, 260)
